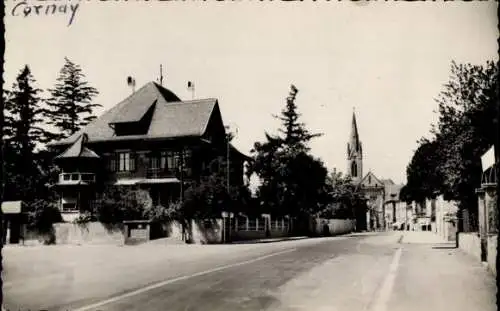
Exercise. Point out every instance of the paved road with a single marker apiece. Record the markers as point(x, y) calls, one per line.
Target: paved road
point(373, 272)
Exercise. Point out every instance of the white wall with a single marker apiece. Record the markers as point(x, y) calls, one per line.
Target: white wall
point(492, 253)
point(335, 226)
point(470, 243)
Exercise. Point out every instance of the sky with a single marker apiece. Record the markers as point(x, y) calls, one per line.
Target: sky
point(388, 60)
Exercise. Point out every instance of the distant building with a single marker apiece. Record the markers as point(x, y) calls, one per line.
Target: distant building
point(385, 210)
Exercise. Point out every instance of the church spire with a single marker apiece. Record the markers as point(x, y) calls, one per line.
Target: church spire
point(354, 143)
point(354, 152)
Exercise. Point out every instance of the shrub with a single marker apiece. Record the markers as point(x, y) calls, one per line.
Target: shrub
point(159, 213)
point(118, 204)
point(42, 215)
point(84, 218)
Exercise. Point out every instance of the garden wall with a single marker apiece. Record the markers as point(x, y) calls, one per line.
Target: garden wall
point(492, 253)
point(322, 226)
point(470, 243)
point(69, 233)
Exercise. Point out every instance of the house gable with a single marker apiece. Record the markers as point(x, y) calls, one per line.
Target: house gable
point(371, 181)
point(214, 130)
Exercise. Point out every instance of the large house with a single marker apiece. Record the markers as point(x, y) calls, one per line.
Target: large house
point(152, 140)
point(385, 209)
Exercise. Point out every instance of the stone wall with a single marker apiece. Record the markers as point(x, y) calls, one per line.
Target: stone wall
point(470, 243)
point(323, 226)
point(69, 233)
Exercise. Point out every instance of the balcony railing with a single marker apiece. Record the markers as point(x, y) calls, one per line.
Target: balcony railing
point(76, 176)
point(158, 173)
point(161, 173)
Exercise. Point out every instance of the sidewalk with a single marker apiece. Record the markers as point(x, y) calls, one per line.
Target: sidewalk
point(422, 237)
point(434, 275)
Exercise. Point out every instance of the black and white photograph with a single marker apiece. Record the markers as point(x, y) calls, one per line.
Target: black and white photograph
point(249, 155)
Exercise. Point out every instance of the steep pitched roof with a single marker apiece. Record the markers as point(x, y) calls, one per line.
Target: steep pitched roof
point(354, 144)
point(133, 108)
point(171, 117)
point(189, 118)
point(78, 150)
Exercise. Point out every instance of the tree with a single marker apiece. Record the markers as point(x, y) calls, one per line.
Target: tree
point(24, 114)
point(70, 104)
point(23, 132)
point(296, 136)
point(344, 198)
point(450, 162)
point(292, 179)
point(424, 178)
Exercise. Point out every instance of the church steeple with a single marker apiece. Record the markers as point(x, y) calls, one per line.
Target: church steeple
point(354, 152)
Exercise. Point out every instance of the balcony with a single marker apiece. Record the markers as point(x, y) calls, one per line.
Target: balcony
point(154, 173)
point(76, 178)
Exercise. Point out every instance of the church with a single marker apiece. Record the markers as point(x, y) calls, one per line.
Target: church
point(384, 209)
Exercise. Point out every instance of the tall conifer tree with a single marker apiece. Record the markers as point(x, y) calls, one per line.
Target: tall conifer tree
point(70, 104)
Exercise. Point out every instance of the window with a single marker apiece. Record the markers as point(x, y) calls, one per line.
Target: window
point(171, 163)
point(112, 164)
point(154, 162)
point(132, 162)
point(187, 163)
point(69, 207)
point(126, 162)
point(163, 160)
point(354, 169)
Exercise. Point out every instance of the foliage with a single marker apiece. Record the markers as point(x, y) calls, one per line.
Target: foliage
point(159, 213)
point(292, 180)
point(450, 163)
point(24, 114)
point(295, 134)
point(84, 218)
point(344, 197)
point(209, 196)
point(23, 132)
point(42, 214)
point(118, 204)
point(70, 104)
point(424, 178)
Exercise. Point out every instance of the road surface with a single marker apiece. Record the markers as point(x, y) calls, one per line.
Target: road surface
point(372, 272)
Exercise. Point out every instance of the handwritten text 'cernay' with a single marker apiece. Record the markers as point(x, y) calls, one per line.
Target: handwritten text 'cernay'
point(25, 9)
